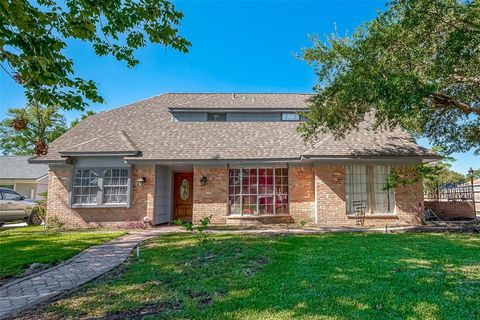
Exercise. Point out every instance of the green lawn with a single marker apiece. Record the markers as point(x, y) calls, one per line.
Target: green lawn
point(327, 276)
point(20, 247)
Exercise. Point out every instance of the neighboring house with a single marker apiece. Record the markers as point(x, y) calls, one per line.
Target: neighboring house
point(235, 157)
point(28, 179)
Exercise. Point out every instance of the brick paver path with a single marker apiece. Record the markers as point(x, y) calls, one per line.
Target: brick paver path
point(29, 291)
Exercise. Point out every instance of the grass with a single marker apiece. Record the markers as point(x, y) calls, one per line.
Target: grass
point(326, 276)
point(20, 247)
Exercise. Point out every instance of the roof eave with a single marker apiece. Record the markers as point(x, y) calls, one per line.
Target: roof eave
point(216, 160)
point(98, 153)
point(42, 160)
point(273, 110)
point(423, 158)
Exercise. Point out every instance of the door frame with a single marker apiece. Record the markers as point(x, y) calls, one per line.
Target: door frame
point(174, 172)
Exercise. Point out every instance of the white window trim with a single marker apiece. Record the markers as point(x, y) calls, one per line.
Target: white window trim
point(376, 214)
point(241, 214)
point(100, 195)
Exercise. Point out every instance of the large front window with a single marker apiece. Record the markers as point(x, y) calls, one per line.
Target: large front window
point(365, 189)
point(100, 187)
point(258, 191)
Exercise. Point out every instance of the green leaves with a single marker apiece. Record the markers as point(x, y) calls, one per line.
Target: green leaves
point(33, 39)
point(43, 123)
point(432, 175)
point(416, 65)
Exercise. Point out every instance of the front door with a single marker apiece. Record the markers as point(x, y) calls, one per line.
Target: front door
point(183, 196)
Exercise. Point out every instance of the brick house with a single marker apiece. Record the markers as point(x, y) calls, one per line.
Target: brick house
point(235, 157)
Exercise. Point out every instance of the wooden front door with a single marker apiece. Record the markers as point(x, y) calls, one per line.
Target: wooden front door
point(183, 196)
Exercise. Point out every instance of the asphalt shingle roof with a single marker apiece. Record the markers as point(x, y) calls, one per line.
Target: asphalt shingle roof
point(238, 100)
point(147, 126)
point(116, 142)
point(18, 167)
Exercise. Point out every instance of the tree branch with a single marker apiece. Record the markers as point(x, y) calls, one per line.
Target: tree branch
point(466, 79)
point(440, 100)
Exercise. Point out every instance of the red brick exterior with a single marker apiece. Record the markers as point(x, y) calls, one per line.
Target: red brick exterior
point(447, 210)
point(331, 206)
point(330, 185)
point(211, 199)
point(301, 192)
point(141, 204)
point(323, 185)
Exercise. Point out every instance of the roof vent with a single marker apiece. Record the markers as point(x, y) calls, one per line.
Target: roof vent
point(244, 97)
point(233, 95)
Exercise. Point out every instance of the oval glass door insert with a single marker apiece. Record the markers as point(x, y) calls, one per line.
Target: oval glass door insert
point(184, 189)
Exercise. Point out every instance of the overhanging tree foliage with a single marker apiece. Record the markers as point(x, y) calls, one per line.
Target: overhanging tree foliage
point(33, 37)
point(433, 175)
point(416, 65)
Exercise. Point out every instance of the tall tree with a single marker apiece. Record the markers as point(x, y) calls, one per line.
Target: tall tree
point(34, 34)
point(42, 126)
point(84, 116)
point(416, 65)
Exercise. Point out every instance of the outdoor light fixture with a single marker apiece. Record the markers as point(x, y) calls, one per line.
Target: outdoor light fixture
point(141, 181)
point(203, 181)
point(471, 172)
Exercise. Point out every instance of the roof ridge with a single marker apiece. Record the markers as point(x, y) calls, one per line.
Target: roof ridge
point(129, 141)
point(199, 98)
point(318, 143)
point(239, 92)
point(123, 134)
point(15, 156)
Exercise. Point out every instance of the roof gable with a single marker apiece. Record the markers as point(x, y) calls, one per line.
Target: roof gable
point(116, 142)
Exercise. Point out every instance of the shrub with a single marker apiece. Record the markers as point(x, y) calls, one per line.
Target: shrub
point(198, 230)
point(133, 224)
point(54, 223)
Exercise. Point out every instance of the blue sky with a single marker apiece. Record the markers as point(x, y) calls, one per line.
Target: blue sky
point(237, 46)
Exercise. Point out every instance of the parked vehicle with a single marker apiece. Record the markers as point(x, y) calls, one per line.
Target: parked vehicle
point(14, 207)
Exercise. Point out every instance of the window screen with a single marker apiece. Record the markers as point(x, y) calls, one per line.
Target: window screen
point(85, 186)
point(115, 185)
point(100, 186)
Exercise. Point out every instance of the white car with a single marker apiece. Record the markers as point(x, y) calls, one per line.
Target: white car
point(14, 206)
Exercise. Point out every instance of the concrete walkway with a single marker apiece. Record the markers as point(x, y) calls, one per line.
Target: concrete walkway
point(29, 291)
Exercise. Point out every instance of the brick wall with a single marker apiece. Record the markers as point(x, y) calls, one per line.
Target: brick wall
point(301, 192)
point(447, 210)
point(330, 185)
point(212, 199)
point(331, 205)
point(142, 201)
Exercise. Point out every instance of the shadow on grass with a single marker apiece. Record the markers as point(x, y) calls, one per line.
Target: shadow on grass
point(339, 276)
point(21, 248)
